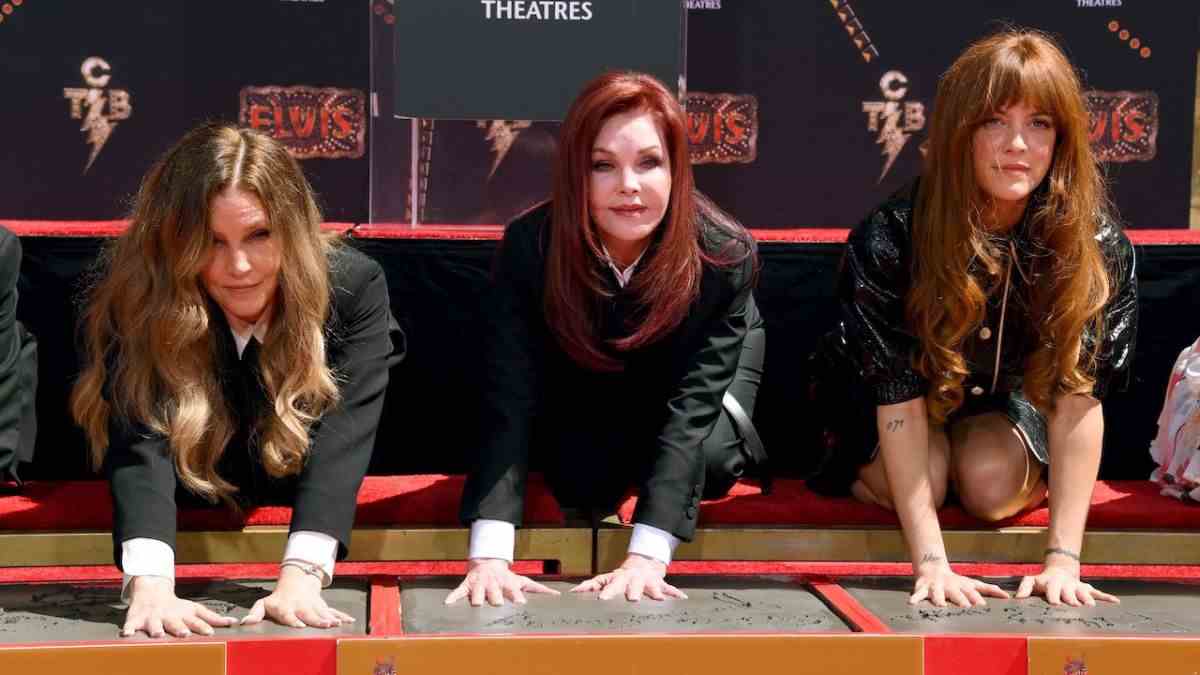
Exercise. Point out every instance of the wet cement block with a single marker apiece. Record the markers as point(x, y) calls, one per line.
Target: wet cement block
point(70, 612)
point(1150, 608)
point(715, 604)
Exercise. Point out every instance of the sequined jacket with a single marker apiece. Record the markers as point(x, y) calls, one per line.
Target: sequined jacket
point(873, 340)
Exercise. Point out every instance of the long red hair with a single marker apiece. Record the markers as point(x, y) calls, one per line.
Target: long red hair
point(668, 278)
point(946, 301)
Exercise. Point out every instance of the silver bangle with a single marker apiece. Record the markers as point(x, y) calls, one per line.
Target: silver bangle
point(309, 568)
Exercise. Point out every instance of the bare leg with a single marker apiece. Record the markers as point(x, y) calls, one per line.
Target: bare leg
point(994, 475)
point(872, 484)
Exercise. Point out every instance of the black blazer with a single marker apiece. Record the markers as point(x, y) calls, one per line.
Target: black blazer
point(359, 348)
point(656, 412)
point(13, 397)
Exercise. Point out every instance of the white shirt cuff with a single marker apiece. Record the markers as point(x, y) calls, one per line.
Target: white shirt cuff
point(494, 539)
point(143, 557)
point(652, 542)
point(317, 548)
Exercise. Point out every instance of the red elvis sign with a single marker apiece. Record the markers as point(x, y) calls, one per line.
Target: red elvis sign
point(1124, 125)
point(311, 122)
point(722, 128)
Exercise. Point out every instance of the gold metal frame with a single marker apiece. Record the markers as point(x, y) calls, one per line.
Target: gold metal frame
point(1009, 545)
point(571, 547)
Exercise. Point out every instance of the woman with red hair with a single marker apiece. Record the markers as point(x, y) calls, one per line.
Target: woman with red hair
point(986, 311)
point(624, 348)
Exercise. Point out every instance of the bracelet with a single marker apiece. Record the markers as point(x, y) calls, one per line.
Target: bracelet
point(1061, 551)
point(309, 568)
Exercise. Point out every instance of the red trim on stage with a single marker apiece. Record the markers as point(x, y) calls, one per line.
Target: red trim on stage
point(846, 606)
point(799, 235)
point(385, 607)
point(109, 573)
point(977, 655)
point(867, 569)
point(404, 231)
point(98, 228)
point(295, 656)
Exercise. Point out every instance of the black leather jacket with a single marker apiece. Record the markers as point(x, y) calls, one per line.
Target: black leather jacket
point(873, 340)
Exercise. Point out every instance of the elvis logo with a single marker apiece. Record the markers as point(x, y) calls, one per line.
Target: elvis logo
point(722, 128)
point(98, 107)
point(893, 118)
point(1124, 125)
point(311, 122)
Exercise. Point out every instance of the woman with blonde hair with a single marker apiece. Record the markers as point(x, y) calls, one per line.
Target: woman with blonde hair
point(237, 353)
point(986, 311)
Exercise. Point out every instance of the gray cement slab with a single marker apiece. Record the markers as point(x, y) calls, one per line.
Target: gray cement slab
point(70, 612)
point(1151, 608)
point(715, 604)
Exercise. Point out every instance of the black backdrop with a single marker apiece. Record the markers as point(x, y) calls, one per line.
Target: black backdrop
point(813, 163)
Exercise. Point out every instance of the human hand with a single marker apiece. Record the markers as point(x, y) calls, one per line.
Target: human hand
point(156, 610)
point(1059, 582)
point(937, 583)
point(491, 579)
point(636, 576)
point(296, 602)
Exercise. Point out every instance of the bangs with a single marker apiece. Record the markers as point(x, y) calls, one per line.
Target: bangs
point(1023, 74)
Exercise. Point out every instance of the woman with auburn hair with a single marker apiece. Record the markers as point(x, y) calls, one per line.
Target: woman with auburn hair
point(624, 345)
point(237, 353)
point(986, 311)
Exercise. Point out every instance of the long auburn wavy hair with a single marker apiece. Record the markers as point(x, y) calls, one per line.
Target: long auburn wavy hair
point(148, 327)
point(950, 238)
point(668, 278)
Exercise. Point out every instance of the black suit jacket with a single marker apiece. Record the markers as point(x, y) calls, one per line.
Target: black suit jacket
point(12, 398)
point(359, 348)
point(650, 419)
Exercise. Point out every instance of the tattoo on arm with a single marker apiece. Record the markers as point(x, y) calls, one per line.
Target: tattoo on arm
point(929, 557)
point(895, 425)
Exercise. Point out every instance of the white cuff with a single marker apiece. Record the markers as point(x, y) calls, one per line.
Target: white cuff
point(145, 557)
point(317, 548)
point(492, 539)
point(652, 542)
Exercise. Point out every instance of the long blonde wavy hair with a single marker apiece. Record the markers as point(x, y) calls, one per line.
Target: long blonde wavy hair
point(946, 301)
point(148, 327)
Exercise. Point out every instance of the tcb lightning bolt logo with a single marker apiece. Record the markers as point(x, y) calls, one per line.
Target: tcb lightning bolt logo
point(103, 106)
point(894, 118)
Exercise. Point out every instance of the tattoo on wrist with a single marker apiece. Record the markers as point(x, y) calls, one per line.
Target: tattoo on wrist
point(895, 425)
point(1061, 551)
point(929, 557)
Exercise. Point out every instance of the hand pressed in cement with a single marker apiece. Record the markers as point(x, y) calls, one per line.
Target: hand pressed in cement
point(156, 610)
point(636, 576)
point(296, 602)
point(492, 580)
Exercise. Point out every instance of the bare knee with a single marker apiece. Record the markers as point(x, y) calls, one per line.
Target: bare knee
point(990, 468)
point(990, 490)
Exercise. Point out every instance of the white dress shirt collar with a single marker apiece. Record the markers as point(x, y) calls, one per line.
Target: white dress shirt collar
point(623, 276)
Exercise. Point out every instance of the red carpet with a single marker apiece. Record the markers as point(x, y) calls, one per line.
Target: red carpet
point(394, 501)
point(433, 500)
point(1115, 505)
